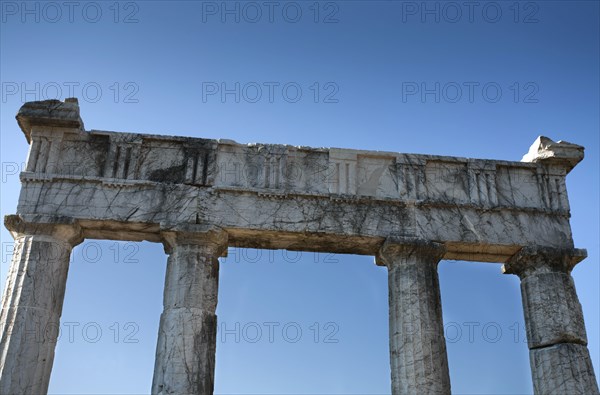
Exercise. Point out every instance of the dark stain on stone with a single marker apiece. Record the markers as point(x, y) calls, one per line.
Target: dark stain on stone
point(172, 175)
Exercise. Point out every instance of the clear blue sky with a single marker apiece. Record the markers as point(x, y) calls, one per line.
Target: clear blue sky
point(507, 72)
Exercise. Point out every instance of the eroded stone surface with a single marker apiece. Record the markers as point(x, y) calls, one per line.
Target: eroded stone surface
point(49, 113)
point(560, 360)
point(185, 354)
point(561, 152)
point(564, 368)
point(419, 364)
point(32, 305)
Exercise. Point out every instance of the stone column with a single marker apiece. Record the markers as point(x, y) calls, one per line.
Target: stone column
point(418, 359)
point(560, 360)
point(185, 354)
point(32, 303)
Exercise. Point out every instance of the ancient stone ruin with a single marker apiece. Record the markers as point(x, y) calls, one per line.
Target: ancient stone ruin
point(199, 196)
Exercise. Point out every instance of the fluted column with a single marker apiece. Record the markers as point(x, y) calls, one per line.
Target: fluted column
point(32, 303)
point(419, 364)
point(559, 357)
point(185, 354)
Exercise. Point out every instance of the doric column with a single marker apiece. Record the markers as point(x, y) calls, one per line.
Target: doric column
point(418, 357)
point(32, 303)
point(185, 354)
point(560, 360)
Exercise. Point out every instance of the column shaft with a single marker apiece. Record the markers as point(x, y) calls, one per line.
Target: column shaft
point(556, 336)
point(419, 364)
point(31, 309)
point(185, 355)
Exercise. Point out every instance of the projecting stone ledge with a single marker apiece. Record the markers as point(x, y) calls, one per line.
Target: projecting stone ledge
point(561, 152)
point(49, 113)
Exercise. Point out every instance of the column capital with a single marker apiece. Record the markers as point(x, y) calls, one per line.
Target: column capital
point(540, 259)
point(203, 235)
point(407, 247)
point(64, 229)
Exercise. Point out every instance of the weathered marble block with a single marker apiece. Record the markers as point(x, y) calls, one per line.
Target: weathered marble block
point(564, 368)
